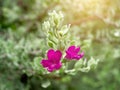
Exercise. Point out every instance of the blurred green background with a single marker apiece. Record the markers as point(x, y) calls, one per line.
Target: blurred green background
point(22, 39)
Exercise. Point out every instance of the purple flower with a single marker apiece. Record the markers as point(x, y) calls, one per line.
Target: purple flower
point(53, 61)
point(73, 53)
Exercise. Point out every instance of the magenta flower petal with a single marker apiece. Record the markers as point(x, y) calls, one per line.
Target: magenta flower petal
point(50, 54)
point(57, 56)
point(81, 55)
point(45, 63)
point(73, 53)
point(53, 61)
point(68, 55)
point(53, 67)
point(77, 50)
point(50, 69)
point(71, 48)
point(58, 66)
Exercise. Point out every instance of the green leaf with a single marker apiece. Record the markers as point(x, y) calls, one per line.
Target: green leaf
point(86, 65)
point(52, 39)
point(85, 69)
point(64, 30)
point(66, 79)
point(78, 64)
point(37, 66)
point(92, 63)
point(86, 44)
point(50, 44)
point(46, 83)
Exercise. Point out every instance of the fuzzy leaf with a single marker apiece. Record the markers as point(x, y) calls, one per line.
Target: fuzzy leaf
point(92, 62)
point(86, 65)
point(37, 66)
point(78, 64)
point(50, 44)
point(64, 30)
point(46, 83)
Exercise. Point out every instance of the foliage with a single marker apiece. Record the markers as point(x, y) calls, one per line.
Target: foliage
point(27, 31)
